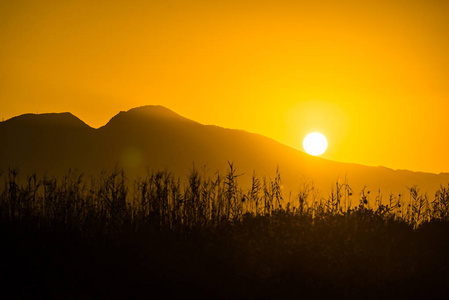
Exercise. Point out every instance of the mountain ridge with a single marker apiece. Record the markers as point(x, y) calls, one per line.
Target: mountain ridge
point(158, 138)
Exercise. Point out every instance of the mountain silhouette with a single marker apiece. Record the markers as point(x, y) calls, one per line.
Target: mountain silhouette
point(156, 138)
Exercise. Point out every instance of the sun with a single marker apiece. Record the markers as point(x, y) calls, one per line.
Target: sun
point(315, 143)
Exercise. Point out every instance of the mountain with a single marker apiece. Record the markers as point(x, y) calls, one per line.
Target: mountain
point(154, 137)
point(43, 142)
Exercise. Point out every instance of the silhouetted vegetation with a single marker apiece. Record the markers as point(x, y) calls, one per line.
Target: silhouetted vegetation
point(109, 237)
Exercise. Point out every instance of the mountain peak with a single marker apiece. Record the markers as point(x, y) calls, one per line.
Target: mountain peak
point(148, 113)
point(155, 110)
point(64, 119)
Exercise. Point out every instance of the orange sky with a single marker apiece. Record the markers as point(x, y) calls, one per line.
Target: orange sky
point(372, 77)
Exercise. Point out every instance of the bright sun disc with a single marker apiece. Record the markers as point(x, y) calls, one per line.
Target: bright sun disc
point(315, 143)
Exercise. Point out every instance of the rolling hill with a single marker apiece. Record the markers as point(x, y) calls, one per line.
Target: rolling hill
point(154, 137)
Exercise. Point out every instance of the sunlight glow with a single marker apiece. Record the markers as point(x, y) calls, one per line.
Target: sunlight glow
point(315, 143)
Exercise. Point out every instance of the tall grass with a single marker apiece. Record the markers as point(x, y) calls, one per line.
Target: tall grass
point(161, 231)
point(162, 201)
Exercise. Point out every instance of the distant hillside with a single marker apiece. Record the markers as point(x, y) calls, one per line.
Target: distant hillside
point(154, 137)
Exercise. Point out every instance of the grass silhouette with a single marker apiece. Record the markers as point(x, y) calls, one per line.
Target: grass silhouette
point(208, 237)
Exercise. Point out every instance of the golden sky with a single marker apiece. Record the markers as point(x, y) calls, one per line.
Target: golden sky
point(373, 76)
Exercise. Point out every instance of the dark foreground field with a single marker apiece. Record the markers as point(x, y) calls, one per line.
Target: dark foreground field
point(156, 238)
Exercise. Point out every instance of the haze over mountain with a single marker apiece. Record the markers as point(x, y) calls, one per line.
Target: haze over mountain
point(154, 137)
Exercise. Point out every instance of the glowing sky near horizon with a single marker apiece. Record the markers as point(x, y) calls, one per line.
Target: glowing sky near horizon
point(372, 76)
